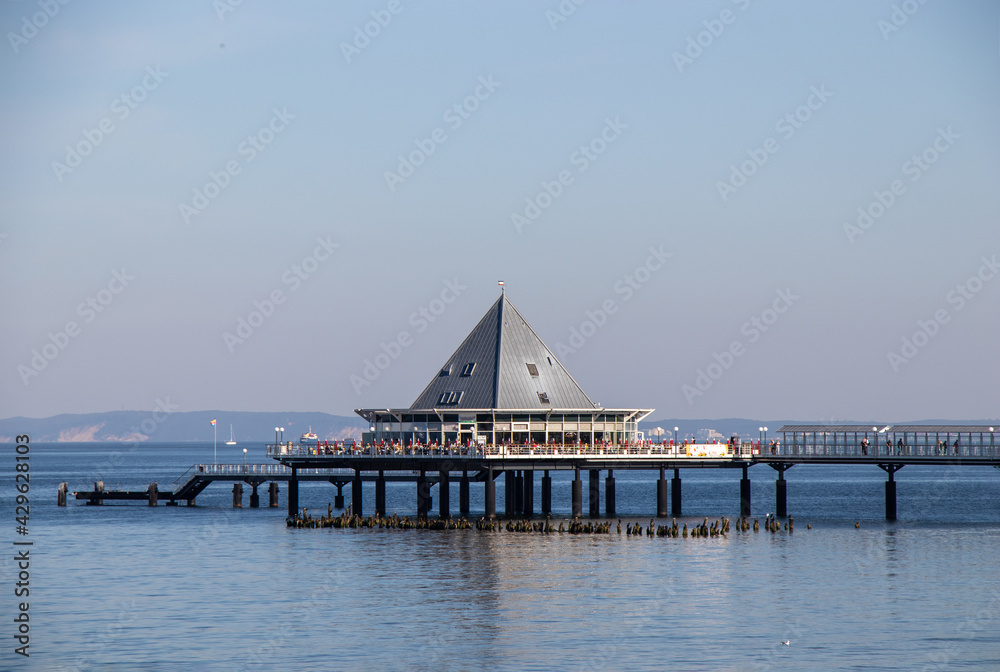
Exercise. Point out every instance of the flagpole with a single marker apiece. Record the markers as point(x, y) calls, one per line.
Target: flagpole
point(215, 445)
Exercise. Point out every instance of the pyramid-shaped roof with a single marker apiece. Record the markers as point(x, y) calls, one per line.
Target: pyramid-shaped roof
point(503, 364)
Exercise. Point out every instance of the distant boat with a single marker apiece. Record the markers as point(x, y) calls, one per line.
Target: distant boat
point(309, 437)
point(232, 439)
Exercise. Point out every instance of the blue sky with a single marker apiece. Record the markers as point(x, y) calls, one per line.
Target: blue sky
point(183, 168)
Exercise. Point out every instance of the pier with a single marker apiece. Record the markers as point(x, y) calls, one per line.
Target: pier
point(889, 448)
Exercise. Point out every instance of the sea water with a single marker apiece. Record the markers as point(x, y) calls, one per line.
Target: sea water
point(128, 587)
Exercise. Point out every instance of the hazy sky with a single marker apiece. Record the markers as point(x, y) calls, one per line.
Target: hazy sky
point(743, 209)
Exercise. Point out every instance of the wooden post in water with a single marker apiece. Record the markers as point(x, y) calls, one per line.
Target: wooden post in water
point(675, 493)
point(154, 494)
point(61, 494)
point(98, 489)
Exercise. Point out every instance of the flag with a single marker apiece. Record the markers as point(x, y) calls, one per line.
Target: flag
point(500, 282)
point(213, 422)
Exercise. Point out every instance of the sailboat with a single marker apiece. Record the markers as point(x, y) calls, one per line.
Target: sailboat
point(232, 439)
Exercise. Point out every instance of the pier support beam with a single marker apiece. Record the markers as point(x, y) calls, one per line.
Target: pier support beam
point(293, 493)
point(508, 493)
point(423, 495)
point(98, 489)
point(595, 493)
point(237, 495)
point(529, 493)
point(272, 495)
point(745, 494)
point(380, 494)
point(356, 493)
point(546, 493)
point(444, 495)
point(254, 497)
point(61, 494)
point(518, 492)
point(577, 495)
point(661, 495)
point(781, 489)
point(609, 493)
point(154, 494)
point(338, 499)
point(675, 493)
point(490, 495)
point(890, 489)
point(463, 495)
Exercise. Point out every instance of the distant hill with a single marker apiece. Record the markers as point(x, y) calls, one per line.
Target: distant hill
point(159, 426)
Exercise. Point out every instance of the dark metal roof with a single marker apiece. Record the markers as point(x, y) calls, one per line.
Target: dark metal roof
point(502, 346)
point(930, 429)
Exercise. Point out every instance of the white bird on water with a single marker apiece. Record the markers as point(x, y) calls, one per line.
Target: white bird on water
point(787, 642)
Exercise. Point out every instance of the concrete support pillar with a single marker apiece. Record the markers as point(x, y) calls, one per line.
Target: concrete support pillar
point(490, 495)
point(61, 494)
point(662, 497)
point(272, 495)
point(508, 493)
point(444, 495)
point(154, 494)
point(781, 495)
point(518, 492)
point(423, 496)
point(609, 493)
point(546, 493)
point(675, 493)
point(594, 493)
point(293, 493)
point(890, 498)
point(380, 494)
point(745, 494)
point(356, 492)
point(528, 482)
point(338, 499)
point(254, 497)
point(237, 495)
point(463, 495)
point(890, 489)
point(577, 495)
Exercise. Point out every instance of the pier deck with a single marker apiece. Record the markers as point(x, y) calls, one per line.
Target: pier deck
point(890, 449)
